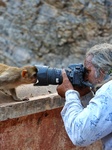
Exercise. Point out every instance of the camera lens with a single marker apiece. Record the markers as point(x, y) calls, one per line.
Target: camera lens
point(54, 76)
point(47, 75)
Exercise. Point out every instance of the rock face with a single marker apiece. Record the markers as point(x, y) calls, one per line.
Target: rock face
point(52, 32)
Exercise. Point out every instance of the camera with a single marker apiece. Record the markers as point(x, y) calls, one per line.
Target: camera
point(47, 75)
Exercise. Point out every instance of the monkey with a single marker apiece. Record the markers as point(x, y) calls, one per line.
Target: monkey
point(12, 77)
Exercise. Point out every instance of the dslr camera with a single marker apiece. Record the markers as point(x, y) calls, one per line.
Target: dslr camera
point(47, 75)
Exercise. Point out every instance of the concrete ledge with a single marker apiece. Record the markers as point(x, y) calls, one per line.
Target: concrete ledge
point(35, 124)
point(37, 102)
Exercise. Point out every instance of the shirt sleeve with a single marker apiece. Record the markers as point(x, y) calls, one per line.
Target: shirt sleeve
point(86, 125)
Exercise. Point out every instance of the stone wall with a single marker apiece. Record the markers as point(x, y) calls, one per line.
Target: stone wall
point(40, 131)
point(52, 32)
point(35, 124)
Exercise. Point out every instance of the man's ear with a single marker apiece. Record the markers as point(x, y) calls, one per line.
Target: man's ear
point(24, 73)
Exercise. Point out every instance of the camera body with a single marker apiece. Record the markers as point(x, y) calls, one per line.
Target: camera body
point(53, 76)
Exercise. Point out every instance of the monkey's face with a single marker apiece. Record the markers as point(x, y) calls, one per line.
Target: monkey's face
point(29, 74)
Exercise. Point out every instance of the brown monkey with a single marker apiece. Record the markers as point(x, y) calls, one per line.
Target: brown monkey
point(12, 77)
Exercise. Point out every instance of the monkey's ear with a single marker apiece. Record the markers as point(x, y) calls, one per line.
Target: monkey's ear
point(24, 73)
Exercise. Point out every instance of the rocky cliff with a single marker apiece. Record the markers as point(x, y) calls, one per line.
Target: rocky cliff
point(52, 32)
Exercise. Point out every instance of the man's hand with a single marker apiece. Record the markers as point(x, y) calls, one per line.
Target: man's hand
point(66, 85)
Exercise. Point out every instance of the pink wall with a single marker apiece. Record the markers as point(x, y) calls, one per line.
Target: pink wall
point(41, 131)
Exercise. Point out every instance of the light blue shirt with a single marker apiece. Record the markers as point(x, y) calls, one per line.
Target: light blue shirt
point(87, 125)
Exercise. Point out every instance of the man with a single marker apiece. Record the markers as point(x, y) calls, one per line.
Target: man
point(85, 125)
